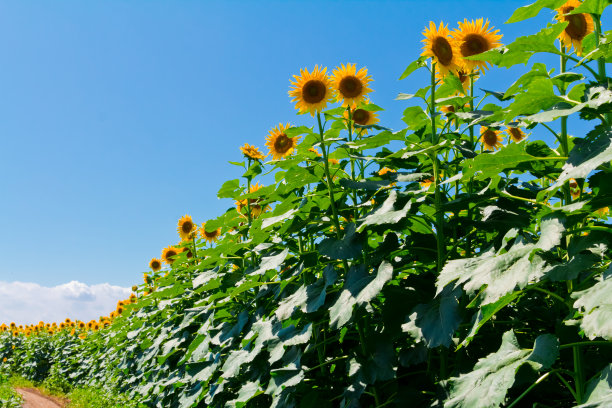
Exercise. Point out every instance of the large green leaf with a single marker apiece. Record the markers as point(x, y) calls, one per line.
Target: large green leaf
point(532, 10)
point(386, 213)
point(359, 288)
point(501, 272)
point(436, 321)
point(307, 298)
point(596, 305)
point(585, 157)
point(487, 384)
point(592, 7)
point(599, 391)
point(346, 248)
point(539, 96)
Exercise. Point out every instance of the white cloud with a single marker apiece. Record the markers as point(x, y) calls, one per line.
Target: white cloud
point(27, 303)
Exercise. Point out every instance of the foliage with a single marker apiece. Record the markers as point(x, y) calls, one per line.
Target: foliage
point(375, 275)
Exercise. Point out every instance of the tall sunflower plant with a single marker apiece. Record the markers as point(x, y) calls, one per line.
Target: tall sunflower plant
point(470, 267)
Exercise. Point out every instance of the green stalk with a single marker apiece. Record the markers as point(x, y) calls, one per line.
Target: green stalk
point(601, 62)
point(330, 191)
point(440, 242)
point(468, 241)
point(350, 138)
point(539, 380)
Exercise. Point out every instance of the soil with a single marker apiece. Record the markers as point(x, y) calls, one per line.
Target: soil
point(32, 398)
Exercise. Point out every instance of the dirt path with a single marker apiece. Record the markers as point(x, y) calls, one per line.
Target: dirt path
point(34, 399)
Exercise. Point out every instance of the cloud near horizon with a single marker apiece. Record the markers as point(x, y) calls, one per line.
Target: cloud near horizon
point(29, 303)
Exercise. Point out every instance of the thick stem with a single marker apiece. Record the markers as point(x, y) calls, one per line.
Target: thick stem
point(440, 241)
point(350, 138)
point(328, 178)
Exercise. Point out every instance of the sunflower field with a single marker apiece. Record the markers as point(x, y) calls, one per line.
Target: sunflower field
point(462, 261)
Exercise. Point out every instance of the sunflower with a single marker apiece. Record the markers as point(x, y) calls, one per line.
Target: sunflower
point(474, 38)
point(574, 189)
point(362, 117)
point(256, 208)
point(252, 152)
point(186, 228)
point(386, 170)
point(440, 46)
point(579, 25)
point(279, 144)
point(490, 138)
point(210, 236)
point(465, 78)
point(351, 85)
point(311, 91)
point(603, 212)
point(187, 251)
point(515, 133)
point(168, 253)
point(155, 264)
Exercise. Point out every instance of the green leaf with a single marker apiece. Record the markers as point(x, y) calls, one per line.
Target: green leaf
point(385, 214)
point(592, 7)
point(485, 313)
point(503, 271)
point(595, 303)
point(359, 289)
point(271, 262)
point(307, 298)
point(487, 165)
point(599, 390)
point(249, 390)
point(532, 10)
point(539, 96)
point(414, 65)
point(437, 320)
point(487, 384)
point(538, 70)
point(230, 189)
point(267, 222)
point(346, 248)
point(585, 157)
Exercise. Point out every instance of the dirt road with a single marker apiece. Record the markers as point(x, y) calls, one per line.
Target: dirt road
point(34, 399)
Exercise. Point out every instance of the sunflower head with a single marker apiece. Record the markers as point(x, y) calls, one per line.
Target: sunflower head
point(155, 264)
point(187, 251)
point(279, 144)
point(254, 203)
point(169, 253)
point(361, 116)
point(186, 228)
point(515, 133)
point(211, 236)
point(473, 38)
point(311, 91)
point(350, 85)
point(441, 48)
point(574, 189)
point(252, 152)
point(579, 25)
point(490, 138)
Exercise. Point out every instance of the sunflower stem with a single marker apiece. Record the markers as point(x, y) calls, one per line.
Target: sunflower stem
point(601, 61)
point(330, 191)
point(350, 137)
point(441, 246)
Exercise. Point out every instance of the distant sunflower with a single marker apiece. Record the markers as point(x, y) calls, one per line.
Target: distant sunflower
point(490, 138)
point(465, 78)
point(515, 133)
point(186, 228)
point(351, 85)
point(211, 236)
point(168, 254)
point(474, 38)
point(442, 48)
point(155, 264)
point(386, 170)
point(279, 144)
point(362, 117)
point(187, 251)
point(256, 208)
point(252, 152)
point(579, 25)
point(574, 189)
point(311, 91)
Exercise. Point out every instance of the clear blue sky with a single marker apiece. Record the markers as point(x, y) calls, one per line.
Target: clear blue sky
point(117, 117)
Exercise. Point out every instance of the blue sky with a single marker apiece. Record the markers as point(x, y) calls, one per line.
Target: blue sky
point(119, 117)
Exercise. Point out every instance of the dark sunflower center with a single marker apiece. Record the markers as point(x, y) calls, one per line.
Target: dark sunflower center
point(361, 117)
point(350, 87)
point(474, 44)
point(573, 184)
point(450, 108)
point(170, 254)
point(577, 27)
point(442, 50)
point(516, 134)
point(313, 91)
point(187, 226)
point(490, 138)
point(282, 143)
point(155, 264)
